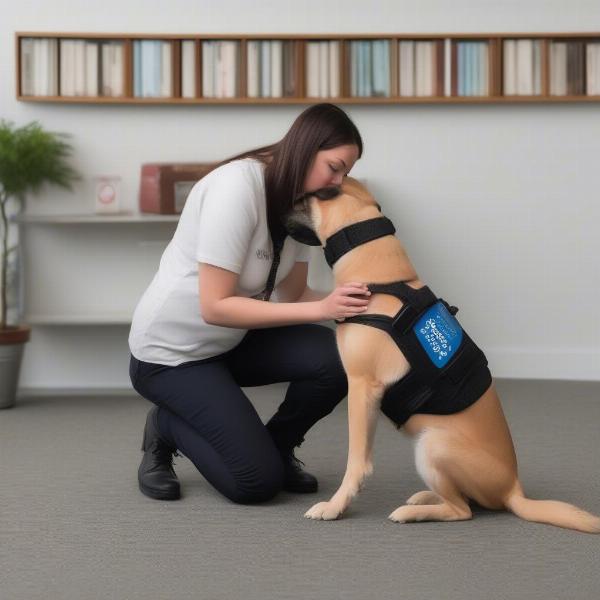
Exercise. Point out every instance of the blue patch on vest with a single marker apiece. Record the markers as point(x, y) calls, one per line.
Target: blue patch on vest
point(439, 333)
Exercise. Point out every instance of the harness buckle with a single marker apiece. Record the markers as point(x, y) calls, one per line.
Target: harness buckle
point(451, 309)
point(405, 318)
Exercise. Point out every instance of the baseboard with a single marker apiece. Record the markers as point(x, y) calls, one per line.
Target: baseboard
point(53, 392)
point(533, 363)
point(48, 391)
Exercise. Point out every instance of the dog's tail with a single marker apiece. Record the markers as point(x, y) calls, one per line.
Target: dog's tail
point(552, 512)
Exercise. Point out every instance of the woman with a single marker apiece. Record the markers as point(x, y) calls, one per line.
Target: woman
point(202, 330)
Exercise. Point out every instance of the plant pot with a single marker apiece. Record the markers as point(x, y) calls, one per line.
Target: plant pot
point(12, 343)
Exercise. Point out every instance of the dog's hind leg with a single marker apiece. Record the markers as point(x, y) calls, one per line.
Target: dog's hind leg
point(424, 497)
point(433, 450)
point(363, 410)
point(431, 512)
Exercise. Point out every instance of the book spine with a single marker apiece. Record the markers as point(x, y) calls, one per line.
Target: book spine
point(265, 63)
point(334, 68)
point(91, 69)
point(407, 68)
point(509, 67)
point(27, 66)
point(166, 70)
point(312, 70)
point(448, 67)
point(276, 69)
point(253, 68)
point(208, 69)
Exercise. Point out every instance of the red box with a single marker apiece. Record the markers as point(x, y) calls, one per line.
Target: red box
point(164, 187)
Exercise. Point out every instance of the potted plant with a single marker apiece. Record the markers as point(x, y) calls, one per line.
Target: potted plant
point(29, 157)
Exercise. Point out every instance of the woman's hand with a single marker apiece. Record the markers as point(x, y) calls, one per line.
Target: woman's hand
point(347, 300)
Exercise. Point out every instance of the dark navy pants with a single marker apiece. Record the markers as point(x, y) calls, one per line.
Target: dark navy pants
point(209, 419)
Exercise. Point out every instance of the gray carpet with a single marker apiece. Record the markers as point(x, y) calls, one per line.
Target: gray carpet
point(73, 524)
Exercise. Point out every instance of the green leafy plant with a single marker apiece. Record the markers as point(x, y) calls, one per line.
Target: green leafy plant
point(29, 158)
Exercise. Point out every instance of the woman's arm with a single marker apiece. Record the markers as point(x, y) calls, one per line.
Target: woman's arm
point(220, 306)
point(294, 287)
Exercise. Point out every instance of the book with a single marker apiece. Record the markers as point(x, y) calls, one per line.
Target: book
point(208, 90)
point(92, 75)
point(313, 74)
point(593, 68)
point(575, 69)
point(265, 69)
point(27, 67)
point(334, 69)
point(381, 68)
point(188, 69)
point(407, 69)
point(166, 70)
point(276, 69)
point(448, 73)
point(253, 68)
point(289, 68)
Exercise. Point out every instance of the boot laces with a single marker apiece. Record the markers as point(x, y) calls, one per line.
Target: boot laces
point(295, 461)
point(163, 452)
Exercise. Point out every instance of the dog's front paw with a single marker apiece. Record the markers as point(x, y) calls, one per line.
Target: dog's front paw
point(324, 511)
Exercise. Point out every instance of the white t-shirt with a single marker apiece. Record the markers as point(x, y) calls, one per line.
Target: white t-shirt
point(223, 223)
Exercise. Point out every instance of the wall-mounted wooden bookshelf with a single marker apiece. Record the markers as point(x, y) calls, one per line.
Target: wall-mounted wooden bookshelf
point(303, 69)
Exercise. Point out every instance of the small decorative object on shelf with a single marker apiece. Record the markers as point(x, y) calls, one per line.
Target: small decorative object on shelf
point(307, 68)
point(107, 198)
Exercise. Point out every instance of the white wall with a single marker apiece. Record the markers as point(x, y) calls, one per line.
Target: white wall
point(497, 204)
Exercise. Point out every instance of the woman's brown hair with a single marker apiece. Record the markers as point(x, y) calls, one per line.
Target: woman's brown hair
point(319, 127)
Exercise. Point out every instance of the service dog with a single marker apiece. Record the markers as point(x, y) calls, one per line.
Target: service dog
point(467, 455)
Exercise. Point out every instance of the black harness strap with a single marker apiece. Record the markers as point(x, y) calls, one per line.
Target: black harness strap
point(415, 302)
point(354, 235)
point(277, 247)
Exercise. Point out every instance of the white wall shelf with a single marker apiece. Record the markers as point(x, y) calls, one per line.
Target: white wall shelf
point(96, 319)
point(85, 218)
point(95, 274)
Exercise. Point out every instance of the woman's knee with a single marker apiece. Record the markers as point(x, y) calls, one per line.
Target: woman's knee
point(263, 485)
point(258, 481)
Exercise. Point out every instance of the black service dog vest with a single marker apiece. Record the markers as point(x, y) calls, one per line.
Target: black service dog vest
point(448, 372)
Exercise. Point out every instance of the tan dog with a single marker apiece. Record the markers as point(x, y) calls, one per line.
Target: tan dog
point(464, 456)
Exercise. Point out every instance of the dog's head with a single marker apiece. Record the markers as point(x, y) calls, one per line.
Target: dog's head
point(317, 215)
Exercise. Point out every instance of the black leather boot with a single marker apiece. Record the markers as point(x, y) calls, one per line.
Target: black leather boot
point(156, 476)
point(295, 479)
